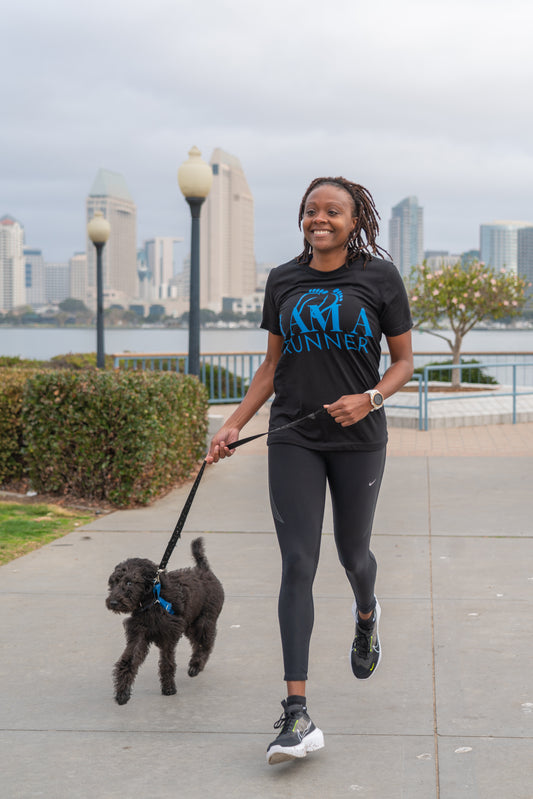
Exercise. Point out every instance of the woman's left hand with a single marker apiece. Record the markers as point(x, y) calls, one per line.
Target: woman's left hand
point(349, 409)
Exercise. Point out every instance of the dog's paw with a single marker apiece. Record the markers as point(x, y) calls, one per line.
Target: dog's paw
point(193, 670)
point(169, 690)
point(122, 697)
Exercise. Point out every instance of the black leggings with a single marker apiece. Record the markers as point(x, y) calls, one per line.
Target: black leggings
point(297, 479)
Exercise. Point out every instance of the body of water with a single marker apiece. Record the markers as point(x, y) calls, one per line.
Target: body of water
point(31, 342)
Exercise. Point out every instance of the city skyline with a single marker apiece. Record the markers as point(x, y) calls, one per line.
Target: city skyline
point(51, 282)
point(384, 238)
point(451, 131)
point(31, 244)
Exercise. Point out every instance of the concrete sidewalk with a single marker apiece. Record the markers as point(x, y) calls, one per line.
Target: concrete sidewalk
point(448, 715)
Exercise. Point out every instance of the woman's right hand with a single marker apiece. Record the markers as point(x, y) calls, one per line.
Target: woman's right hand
point(218, 448)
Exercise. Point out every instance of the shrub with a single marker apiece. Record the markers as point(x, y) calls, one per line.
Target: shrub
point(12, 464)
point(16, 362)
point(122, 437)
point(72, 360)
point(79, 360)
point(474, 374)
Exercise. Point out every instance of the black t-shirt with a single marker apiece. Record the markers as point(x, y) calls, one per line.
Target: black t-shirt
point(331, 323)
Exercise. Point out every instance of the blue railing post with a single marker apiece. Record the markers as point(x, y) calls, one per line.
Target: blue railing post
point(514, 393)
point(426, 398)
point(420, 425)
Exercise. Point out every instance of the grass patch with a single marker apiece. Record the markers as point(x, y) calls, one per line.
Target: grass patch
point(25, 527)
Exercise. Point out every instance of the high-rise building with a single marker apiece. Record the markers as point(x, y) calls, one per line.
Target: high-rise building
point(162, 265)
point(12, 268)
point(143, 275)
point(78, 277)
point(227, 263)
point(110, 195)
point(524, 262)
point(499, 243)
point(34, 277)
point(406, 235)
point(56, 282)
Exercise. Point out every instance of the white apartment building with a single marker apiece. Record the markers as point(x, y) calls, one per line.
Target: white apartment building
point(435, 262)
point(161, 263)
point(56, 282)
point(12, 265)
point(78, 277)
point(110, 195)
point(227, 263)
point(34, 277)
point(525, 261)
point(499, 243)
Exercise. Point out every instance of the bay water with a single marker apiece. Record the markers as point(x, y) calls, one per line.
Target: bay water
point(44, 343)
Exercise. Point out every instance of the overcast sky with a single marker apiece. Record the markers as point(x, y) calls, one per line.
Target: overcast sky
point(420, 97)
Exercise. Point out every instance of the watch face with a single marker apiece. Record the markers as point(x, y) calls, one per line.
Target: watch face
point(377, 400)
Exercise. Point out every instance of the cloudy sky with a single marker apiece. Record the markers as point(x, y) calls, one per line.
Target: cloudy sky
point(423, 97)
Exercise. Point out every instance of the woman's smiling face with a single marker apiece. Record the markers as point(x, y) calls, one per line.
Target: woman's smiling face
point(329, 218)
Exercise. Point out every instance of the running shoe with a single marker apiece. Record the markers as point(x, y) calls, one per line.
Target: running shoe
point(298, 735)
point(366, 651)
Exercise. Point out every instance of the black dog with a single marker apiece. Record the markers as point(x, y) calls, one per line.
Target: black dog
point(196, 598)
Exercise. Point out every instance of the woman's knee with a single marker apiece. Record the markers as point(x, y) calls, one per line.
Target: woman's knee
point(298, 570)
point(359, 567)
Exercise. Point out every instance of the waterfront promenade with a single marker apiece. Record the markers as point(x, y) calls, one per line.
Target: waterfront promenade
point(448, 715)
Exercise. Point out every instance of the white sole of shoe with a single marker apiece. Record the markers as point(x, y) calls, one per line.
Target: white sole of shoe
point(378, 614)
point(311, 742)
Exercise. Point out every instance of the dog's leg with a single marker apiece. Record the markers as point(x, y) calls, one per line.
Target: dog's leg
point(127, 666)
point(167, 669)
point(202, 635)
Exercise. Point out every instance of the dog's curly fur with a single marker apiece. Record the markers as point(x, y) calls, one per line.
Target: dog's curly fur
point(196, 596)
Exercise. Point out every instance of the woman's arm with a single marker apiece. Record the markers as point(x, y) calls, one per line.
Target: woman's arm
point(351, 408)
point(261, 388)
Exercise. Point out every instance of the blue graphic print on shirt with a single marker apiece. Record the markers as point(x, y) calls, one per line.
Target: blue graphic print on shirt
point(315, 324)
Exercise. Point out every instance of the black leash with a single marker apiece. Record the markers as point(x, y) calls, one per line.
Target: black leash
point(180, 523)
point(188, 502)
point(242, 441)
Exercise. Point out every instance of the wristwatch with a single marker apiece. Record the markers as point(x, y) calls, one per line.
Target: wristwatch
point(376, 398)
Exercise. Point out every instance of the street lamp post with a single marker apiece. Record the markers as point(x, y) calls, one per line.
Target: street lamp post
point(194, 179)
point(98, 230)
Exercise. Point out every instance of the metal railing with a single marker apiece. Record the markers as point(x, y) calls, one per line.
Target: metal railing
point(227, 375)
point(420, 405)
point(513, 391)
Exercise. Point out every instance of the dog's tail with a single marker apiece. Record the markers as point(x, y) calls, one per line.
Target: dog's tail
point(197, 549)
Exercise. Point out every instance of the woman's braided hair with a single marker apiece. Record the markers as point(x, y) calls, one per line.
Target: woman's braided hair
point(363, 239)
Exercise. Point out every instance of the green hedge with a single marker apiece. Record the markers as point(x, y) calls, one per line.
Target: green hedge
point(12, 464)
point(474, 374)
point(122, 437)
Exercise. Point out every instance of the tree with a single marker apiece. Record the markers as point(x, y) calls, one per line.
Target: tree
point(458, 298)
point(72, 305)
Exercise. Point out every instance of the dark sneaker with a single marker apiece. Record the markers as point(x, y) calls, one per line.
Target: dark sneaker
point(366, 651)
point(297, 737)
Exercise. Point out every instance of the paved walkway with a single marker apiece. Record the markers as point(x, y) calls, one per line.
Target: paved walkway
point(448, 715)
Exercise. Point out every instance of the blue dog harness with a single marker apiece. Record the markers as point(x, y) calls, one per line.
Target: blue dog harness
point(159, 599)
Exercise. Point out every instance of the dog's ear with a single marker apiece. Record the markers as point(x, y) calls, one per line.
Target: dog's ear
point(148, 575)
